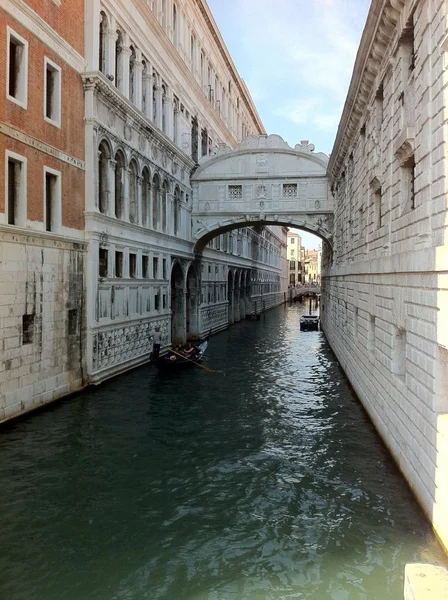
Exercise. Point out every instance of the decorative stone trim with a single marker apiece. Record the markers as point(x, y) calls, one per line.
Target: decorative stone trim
point(98, 83)
point(371, 54)
point(18, 135)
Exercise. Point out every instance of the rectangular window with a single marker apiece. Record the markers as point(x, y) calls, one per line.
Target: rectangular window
point(164, 300)
point(292, 265)
point(132, 265)
point(17, 69)
point(293, 241)
point(52, 93)
point(235, 192)
point(52, 202)
point(155, 268)
point(145, 267)
point(408, 184)
point(102, 262)
point(290, 190)
point(27, 329)
point(157, 301)
point(118, 264)
point(164, 268)
point(15, 189)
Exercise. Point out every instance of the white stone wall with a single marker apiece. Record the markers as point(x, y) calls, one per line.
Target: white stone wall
point(43, 279)
point(384, 308)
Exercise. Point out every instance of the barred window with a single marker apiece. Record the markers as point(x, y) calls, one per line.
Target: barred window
point(235, 192)
point(290, 190)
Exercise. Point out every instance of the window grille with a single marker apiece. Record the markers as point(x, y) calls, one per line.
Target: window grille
point(235, 192)
point(290, 190)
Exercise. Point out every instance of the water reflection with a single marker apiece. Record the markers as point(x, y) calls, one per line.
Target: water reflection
point(263, 481)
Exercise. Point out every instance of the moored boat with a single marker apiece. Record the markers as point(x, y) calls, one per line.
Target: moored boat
point(309, 323)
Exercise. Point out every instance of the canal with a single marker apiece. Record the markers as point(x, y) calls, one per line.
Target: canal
point(262, 481)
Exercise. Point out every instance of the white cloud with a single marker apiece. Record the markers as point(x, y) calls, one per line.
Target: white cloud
point(297, 56)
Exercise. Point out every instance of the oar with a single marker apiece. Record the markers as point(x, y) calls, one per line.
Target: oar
point(194, 362)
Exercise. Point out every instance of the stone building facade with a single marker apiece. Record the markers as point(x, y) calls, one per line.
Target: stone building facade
point(384, 302)
point(42, 253)
point(161, 91)
point(295, 249)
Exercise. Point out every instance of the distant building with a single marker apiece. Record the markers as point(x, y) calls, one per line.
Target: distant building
point(294, 256)
point(312, 260)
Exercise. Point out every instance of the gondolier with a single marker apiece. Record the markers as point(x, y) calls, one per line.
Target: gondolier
point(156, 341)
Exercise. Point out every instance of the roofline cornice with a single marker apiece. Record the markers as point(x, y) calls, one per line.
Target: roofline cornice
point(244, 92)
point(382, 21)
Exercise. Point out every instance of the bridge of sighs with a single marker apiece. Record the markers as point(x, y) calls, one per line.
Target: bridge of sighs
point(264, 181)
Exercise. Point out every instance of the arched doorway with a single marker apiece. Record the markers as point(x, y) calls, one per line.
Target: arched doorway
point(178, 325)
point(192, 304)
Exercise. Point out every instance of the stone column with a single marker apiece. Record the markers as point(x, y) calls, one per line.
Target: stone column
point(111, 40)
point(111, 185)
point(147, 91)
point(158, 99)
point(125, 213)
point(92, 31)
point(124, 66)
point(138, 79)
point(169, 114)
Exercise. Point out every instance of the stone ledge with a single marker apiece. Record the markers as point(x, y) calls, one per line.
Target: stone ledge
point(425, 582)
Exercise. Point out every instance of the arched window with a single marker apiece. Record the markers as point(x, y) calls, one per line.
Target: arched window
point(102, 42)
point(164, 203)
point(176, 211)
point(132, 75)
point(145, 87)
point(154, 97)
point(155, 201)
point(146, 191)
point(133, 192)
point(118, 59)
point(119, 184)
point(175, 32)
point(164, 103)
point(175, 119)
point(103, 184)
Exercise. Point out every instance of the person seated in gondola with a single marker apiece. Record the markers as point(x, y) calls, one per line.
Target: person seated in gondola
point(190, 351)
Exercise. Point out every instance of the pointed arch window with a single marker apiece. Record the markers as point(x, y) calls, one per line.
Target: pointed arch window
point(146, 191)
point(103, 42)
point(118, 59)
point(164, 204)
point(176, 211)
point(103, 185)
point(132, 75)
point(164, 107)
point(133, 192)
point(119, 184)
point(155, 201)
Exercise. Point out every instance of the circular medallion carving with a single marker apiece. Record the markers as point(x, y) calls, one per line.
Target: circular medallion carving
point(155, 153)
point(142, 142)
point(207, 206)
point(317, 204)
point(127, 132)
point(111, 119)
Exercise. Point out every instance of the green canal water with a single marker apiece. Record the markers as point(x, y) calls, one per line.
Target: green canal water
point(262, 481)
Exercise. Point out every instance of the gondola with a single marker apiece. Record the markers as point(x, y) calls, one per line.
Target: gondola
point(172, 361)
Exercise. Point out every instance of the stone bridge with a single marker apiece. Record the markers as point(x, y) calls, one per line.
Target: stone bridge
point(303, 290)
point(262, 182)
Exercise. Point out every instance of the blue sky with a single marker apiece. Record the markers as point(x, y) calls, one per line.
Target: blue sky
point(296, 57)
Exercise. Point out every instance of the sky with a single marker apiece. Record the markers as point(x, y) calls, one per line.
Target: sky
point(296, 57)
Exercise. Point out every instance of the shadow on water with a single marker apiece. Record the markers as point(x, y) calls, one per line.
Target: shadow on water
point(263, 481)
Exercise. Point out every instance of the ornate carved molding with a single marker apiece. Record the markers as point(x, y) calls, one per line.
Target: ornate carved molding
point(382, 23)
point(99, 84)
